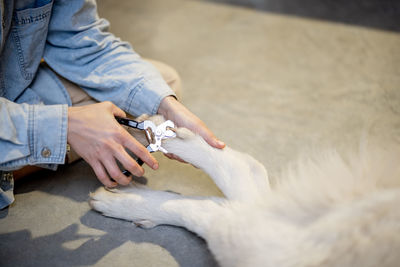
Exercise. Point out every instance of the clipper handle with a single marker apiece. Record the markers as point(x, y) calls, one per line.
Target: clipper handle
point(128, 173)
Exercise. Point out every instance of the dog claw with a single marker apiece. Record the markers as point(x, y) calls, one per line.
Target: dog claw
point(144, 223)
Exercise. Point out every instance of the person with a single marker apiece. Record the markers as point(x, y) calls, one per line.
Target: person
point(54, 52)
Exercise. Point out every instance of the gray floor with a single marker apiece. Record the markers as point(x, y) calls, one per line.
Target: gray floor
point(273, 85)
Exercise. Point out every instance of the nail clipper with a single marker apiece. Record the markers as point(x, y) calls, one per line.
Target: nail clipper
point(154, 134)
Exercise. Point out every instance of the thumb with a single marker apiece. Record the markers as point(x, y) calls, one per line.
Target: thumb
point(117, 112)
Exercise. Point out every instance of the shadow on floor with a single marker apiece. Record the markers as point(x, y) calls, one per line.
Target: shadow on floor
point(20, 249)
point(71, 181)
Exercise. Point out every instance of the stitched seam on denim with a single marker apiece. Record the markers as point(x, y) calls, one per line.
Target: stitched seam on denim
point(35, 14)
point(31, 159)
point(63, 146)
point(21, 59)
point(133, 94)
point(2, 85)
point(162, 95)
point(158, 102)
point(31, 132)
point(154, 111)
point(60, 84)
point(32, 19)
point(12, 165)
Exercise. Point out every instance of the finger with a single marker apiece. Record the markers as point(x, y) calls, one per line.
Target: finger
point(129, 163)
point(185, 118)
point(209, 137)
point(114, 171)
point(101, 174)
point(117, 111)
point(139, 150)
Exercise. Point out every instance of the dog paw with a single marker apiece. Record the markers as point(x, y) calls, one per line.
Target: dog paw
point(131, 203)
point(184, 133)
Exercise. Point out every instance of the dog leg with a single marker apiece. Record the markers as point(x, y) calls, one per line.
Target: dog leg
point(149, 208)
point(238, 175)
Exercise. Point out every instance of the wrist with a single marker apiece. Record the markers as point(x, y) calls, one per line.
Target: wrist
point(166, 105)
point(74, 115)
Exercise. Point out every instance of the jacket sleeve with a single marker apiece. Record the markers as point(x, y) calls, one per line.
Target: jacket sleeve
point(32, 135)
point(80, 48)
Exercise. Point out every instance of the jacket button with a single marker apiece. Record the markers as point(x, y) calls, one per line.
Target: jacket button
point(46, 152)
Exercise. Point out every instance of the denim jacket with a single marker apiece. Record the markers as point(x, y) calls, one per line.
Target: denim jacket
point(74, 42)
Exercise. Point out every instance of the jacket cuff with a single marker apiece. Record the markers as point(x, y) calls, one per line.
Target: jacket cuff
point(146, 97)
point(47, 133)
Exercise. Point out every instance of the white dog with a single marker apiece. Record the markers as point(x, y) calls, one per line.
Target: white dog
point(329, 212)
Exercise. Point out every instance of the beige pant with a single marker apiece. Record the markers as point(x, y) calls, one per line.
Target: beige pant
point(80, 98)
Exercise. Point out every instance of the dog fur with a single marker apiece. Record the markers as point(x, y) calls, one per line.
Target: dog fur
point(330, 211)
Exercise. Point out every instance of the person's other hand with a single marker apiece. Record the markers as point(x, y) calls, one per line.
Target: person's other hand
point(173, 110)
point(100, 140)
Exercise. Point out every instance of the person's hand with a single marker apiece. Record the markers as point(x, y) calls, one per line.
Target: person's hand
point(100, 140)
point(173, 110)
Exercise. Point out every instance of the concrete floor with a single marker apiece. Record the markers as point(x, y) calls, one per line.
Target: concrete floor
point(275, 86)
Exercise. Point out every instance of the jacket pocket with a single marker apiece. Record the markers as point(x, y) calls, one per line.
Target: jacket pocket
point(29, 33)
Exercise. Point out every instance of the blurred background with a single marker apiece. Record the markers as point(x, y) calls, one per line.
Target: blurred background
point(283, 75)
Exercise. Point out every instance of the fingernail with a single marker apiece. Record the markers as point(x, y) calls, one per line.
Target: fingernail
point(220, 143)
point(155, 166)
point(140, 172)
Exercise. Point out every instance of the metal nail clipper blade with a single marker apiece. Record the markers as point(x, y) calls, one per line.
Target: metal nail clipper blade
point(154, 134)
